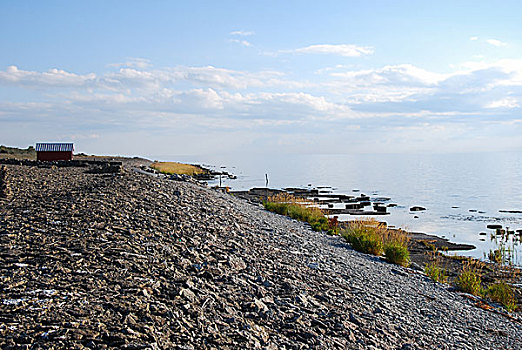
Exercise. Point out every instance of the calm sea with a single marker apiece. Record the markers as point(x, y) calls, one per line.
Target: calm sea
point(462, 192)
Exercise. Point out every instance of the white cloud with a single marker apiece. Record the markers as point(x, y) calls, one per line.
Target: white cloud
point(301, 103)
point(99, 99)
point(77, 137)
point(496, 42)
point(472, 90)
point(233, 79)
point(403, 74)
point(130, 78)
point(200, 99)
point(508, 71)
point(53, 77)
point(135, 62)
point(241, 42)
point(241, 33)
point(384, 90)
point(508, 102)
point(341, 49)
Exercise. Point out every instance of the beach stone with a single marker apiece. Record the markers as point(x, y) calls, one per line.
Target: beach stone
point(5, 189)
point(188, 294)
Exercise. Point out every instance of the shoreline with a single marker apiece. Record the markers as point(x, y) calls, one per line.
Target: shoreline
point(424, 248)
point(482, 241)
point(163, 263)
point(253, 195)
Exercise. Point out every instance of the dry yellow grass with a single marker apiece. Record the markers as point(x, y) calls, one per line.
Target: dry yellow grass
point(177, 168)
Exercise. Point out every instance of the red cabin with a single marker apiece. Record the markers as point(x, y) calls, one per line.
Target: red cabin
point(51, 152)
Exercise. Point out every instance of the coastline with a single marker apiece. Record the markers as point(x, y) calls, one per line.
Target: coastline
point(458, 206)
point(163, 263)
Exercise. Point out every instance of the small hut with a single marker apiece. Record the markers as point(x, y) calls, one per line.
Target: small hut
point(51, 152)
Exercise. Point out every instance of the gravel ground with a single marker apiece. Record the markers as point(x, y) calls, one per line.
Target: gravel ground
point(136, 262)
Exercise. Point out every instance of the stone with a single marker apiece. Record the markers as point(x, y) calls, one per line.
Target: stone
point(5, 189)
point(259, 306)
point(417, 208)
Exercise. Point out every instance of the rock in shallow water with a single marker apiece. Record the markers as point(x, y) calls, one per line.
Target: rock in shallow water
point(494, 226)
point(417, 208)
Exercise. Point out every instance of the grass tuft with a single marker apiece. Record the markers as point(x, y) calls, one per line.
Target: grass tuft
point(436, 272)
point(469, 281)
point(365, 236)
point(396, 247)
point(397, 252)
point(495, 256)
point(503, 255)
point(502, 293)
point(372, 237)
point(299, 209)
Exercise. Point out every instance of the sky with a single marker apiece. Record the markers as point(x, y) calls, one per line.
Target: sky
point(158, 78)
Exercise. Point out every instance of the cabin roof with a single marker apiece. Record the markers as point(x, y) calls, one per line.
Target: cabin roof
point(54, 147)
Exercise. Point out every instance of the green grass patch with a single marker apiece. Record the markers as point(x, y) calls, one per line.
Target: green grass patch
point(364, 237)
point(177, 168)
point(372, 237)
point(469, 281)
point(434, 271)
point(397, 252)
point(296, 208)
point(503, 294)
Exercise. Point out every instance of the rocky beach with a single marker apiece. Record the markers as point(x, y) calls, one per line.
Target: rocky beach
point(100, 258)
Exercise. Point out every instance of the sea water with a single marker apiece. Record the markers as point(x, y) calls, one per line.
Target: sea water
point(462, 193)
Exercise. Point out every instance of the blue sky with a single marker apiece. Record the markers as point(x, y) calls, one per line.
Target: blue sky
point(211, 77)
